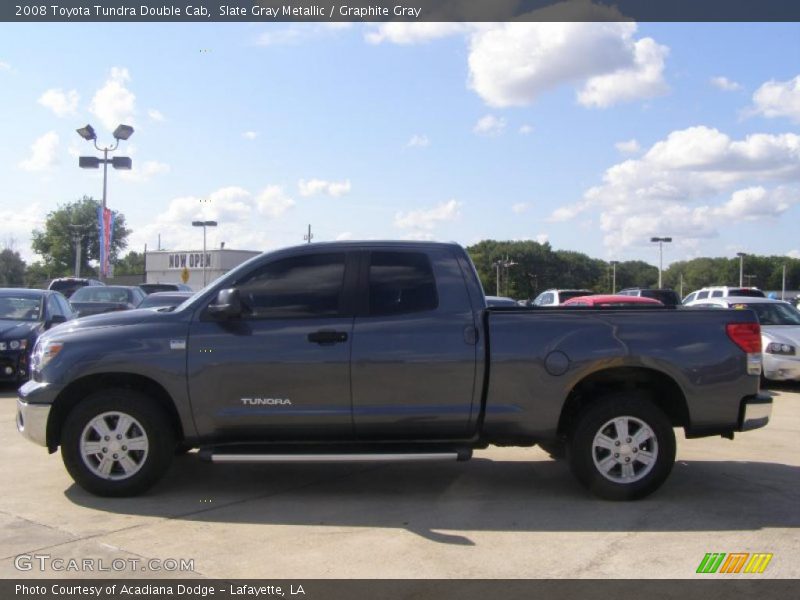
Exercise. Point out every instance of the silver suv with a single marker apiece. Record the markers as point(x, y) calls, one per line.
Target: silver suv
point(556, 297)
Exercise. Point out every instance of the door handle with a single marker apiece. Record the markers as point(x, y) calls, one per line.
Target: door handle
point(327, 337)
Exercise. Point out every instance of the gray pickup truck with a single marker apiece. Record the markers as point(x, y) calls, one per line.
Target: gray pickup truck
point(367, 351)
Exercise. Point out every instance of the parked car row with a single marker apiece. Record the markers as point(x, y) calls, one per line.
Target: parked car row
point(27, 313)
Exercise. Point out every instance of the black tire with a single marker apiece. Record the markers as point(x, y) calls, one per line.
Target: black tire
point(623, 460)
point(148, 422)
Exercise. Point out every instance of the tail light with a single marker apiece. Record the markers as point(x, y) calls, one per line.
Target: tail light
point(748, 337)
point(745, 335)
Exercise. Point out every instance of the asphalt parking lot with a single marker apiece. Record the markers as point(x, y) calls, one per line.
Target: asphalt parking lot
point(508, 513)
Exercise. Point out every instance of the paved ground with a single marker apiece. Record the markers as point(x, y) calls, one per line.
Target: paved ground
point(509, 513)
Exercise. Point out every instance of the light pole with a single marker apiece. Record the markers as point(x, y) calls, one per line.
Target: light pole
point(614, 264)
point(505, 263)
point(741, 256)
point(661, 241)
point(204, 224)
point(122, 132)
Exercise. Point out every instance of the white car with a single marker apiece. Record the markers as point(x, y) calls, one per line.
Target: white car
point(780, 332)
point(557, 297)
point(722, 291)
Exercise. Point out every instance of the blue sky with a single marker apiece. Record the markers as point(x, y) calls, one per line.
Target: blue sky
point(590, 136)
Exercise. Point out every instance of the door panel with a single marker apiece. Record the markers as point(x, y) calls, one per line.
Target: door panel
point(282, 370)
point(413, 363)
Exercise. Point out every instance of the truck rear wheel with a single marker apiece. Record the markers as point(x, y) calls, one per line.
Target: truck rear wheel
point(622, 447)
point(117, 443)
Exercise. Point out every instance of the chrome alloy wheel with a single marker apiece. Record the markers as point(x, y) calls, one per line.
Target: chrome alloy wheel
point(114, 445)
point(624, 449)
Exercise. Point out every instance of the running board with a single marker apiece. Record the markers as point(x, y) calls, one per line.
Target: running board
point(226, 456)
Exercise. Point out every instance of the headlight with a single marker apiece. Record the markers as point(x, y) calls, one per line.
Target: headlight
point(778, 348)
point(14, 345)
point(43, 354)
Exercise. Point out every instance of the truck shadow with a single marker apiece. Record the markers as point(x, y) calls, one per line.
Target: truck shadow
point(485, 495)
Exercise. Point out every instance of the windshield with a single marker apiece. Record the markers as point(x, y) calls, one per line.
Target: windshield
point(20, 308)
point(100, 294)
point(773, 314)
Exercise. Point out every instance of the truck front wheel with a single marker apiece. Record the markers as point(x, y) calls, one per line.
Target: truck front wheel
point(622, 447)
point(117, 443)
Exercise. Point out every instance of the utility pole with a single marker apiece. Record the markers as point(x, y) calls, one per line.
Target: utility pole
point(614, 264)
point(309, 236)
point(783, 283)
point(660, 241)
point(741, 256)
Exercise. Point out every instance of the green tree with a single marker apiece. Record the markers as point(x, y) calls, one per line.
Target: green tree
point(12, 268)
point(56, 243)
point(131, 264)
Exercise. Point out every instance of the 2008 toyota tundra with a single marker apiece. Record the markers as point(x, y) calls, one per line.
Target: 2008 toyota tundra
point(385, 351)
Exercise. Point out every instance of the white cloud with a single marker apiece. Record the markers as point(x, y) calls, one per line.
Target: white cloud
point(418, 141)
point(725, 84)
point(645, 79)
point(793, 254)
point(526, 130)
point(628, 147)
point(512, 63)
point(156, 115)
point(145, 172)
point(413, 33)
point(490, 125)
point(281, 37)
point(427, 219)
point(250, 135)
point(345, 235)
point(4, 66)
point(114, 103)
point(542, 238)
point(778, 99)
point(520, 207)
point(313, 187)
point(18, 223)
point(273, 202)
point(691, 184)
point(44, 153)
point(60, 102)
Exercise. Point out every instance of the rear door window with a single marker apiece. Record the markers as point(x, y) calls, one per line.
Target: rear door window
point(401, 282)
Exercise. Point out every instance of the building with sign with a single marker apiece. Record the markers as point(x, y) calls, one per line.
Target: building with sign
point(186, 266)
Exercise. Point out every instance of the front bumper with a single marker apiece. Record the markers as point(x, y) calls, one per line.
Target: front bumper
point(34, 402)
point(13, 365)
point(781, 368)
point(32, 421)
point(754, 412)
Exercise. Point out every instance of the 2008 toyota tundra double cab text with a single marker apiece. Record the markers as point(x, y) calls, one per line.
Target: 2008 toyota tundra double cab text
point(385, 351)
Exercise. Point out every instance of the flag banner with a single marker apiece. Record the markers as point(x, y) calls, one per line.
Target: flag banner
point(105, 226)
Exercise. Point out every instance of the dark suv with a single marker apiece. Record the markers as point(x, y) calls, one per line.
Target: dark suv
point(665, 296)
point(69, 285)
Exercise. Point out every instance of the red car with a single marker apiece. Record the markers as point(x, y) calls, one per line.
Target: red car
point(611, 300)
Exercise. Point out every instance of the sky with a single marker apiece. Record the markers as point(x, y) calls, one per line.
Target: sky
point(593, 137)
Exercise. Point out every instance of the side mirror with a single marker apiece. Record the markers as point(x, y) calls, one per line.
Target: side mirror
point(55, 320)
point(227, 305)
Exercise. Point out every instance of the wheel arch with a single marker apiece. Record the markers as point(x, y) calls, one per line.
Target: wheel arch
point(82, 387)
point(662, 389)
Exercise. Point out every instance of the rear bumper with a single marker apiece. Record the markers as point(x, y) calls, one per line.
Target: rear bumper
point(754, 412)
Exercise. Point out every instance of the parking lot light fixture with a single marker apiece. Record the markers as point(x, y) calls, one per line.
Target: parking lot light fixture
point(204, 224)
point(122, 132)
point(661, 241)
